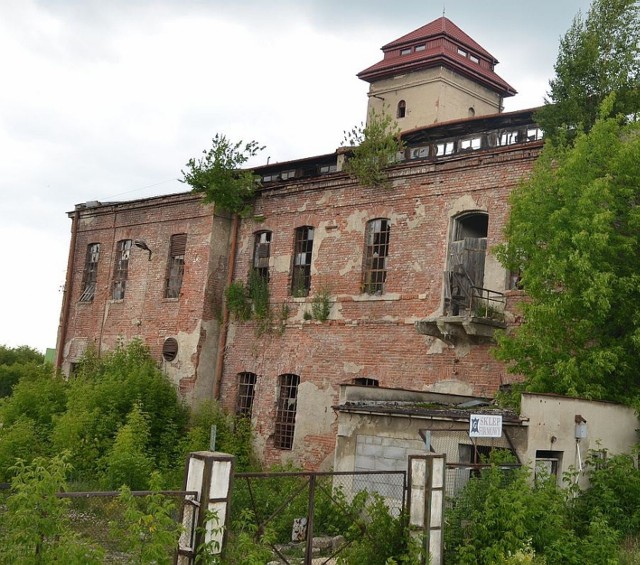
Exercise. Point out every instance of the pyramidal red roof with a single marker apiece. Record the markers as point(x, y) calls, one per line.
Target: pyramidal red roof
point(440, 42)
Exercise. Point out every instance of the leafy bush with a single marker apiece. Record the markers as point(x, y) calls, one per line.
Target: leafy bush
point(35, 526)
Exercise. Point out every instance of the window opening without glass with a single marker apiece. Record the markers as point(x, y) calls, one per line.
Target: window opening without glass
point(261, 253)
point(286, 411)
point(375, 256)
point(402, 109)
point(301, 270)
point(90, 274)
point(175, 267)
point(121, 269)
point(246, 392)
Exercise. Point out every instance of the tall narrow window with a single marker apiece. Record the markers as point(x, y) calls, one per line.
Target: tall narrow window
point(246, 392)
point(375, 256)
point(121, 269)
point(402, 109)
point(301, 270)
point(175, 267)
point(261, 253)
point(90, 275)
point(286, 411)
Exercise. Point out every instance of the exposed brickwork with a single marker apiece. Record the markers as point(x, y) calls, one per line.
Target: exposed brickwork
point(145, 312)
point(367, 336)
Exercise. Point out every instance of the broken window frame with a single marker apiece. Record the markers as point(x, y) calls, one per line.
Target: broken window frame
point(285, 424)
point(376, 253)
point(301, 263)
point(121, 269)
point(262, 253)
point(175, 265)
point(90, 273)
point(366, 381)
point(245, 394)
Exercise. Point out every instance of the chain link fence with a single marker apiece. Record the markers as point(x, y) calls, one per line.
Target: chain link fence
point(99, 518)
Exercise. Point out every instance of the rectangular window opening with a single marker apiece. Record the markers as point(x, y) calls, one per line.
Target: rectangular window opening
point(175, 266)
point(121, 269)
point(376, 252)
point(246, 393)
point(261, 254)
point(301, 270)
point(366, 381)
point(90, 274)
point(286, 412)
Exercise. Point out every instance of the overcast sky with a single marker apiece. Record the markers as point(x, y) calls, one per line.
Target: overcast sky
point(108, 99)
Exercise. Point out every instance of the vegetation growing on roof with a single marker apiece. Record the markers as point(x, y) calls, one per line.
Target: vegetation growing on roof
point(375, 146)
point(219, 176)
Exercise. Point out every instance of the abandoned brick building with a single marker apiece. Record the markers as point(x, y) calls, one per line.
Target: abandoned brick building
point(392, 287)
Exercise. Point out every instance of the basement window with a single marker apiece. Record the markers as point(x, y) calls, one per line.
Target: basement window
point(90, 274)
point(366, 381)
point(121, 269)
point(246, 392)
point(301, 270)
point(175, 266)
point(261, 253)
point(376, 252)
point(286, 411)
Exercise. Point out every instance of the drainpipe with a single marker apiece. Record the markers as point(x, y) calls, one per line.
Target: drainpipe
point(222, 340)
point(66, 295)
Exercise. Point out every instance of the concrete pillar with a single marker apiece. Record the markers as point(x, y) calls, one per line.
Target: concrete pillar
point(426, 503)
point(209, 474)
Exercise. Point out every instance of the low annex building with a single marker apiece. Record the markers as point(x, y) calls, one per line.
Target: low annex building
point(410, 293)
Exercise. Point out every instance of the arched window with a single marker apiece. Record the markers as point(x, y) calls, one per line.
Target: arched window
point(402, 109)
point(376, 250)
point(286, 411)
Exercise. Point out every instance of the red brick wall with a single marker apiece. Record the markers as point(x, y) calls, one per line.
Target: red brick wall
point(145, 312)
point(366, 336)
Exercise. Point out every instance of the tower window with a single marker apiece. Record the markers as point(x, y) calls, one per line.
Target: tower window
point(175, 266)
point(286, 411)
point(261, 253)
point(90, 274)
point(375, 256)
point(402, 109)
point(301, 271)
point(405, 51)
point(420, 48)
point(121, 269)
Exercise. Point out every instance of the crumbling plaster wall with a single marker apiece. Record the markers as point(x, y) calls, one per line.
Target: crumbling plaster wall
point(367, 336)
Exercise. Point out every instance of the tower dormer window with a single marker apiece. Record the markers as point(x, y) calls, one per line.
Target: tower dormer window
point(420, 48)
point(402, 109)
point(405, 51)
point(473, 58)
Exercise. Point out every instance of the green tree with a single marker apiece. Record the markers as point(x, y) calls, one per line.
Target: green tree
point(219, 176)
point(574, 231)
point(597, 56)
point(374, 147)
point(15, 363)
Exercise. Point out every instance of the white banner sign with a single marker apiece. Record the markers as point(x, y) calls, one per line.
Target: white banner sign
point(485, 425)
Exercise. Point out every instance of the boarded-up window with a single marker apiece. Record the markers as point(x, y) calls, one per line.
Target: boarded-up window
point(246, 392)
point(286, 411)
point(301, 269)
point(90, 274)
point(121, 269)
point(261, 253)
point(175, 266)
point(375, 256)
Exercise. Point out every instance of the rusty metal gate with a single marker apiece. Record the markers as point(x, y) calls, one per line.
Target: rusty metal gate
point(305, 515)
